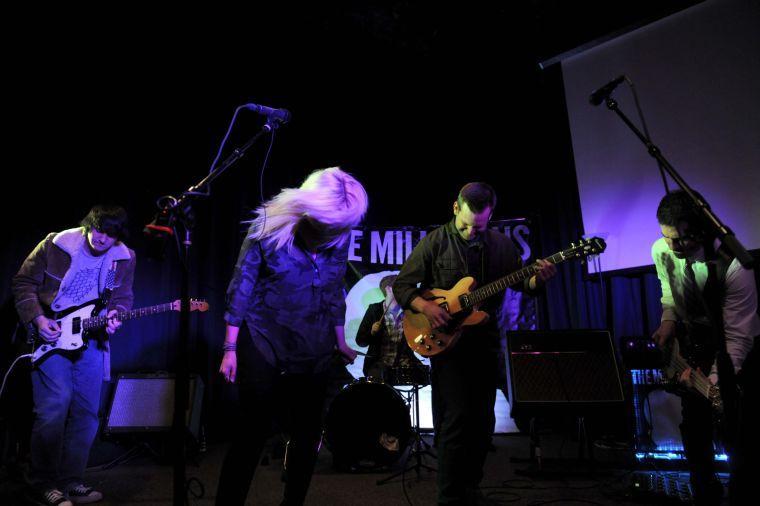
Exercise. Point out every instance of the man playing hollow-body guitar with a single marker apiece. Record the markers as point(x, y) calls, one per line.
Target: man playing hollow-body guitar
point(464, 377)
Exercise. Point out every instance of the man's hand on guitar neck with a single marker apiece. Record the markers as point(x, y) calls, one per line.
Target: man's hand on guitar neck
point(436, 315)
point(665, 333)
point(687, 377)
point(48, 329)
point(547, 271)
point(113, 323)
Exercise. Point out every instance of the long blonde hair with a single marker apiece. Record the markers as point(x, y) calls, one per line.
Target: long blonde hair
point(330, 197)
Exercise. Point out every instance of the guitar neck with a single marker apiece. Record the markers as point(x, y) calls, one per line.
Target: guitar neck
point(101, 321)
point(495, 287)
point(700, 382)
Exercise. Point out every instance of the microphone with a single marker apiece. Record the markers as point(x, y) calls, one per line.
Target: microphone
point(599, 95)
point(280, 115)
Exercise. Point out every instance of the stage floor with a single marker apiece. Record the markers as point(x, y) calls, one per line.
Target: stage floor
point(144, 481)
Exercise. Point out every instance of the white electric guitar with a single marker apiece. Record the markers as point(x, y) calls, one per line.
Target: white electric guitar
point(76, 322)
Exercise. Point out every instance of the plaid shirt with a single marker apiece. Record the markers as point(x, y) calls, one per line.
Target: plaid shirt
point(394, 348)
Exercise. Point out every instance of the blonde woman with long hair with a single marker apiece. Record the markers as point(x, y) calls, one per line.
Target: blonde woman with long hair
point(285, 316)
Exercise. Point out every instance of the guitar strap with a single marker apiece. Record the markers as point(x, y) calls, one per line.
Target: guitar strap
point(105, 299)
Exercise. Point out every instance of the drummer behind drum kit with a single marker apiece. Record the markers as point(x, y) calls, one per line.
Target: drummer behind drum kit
point(368, 424)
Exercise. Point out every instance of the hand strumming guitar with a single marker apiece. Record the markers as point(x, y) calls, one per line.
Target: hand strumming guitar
point(48, 328)
point(664, 334)
point(436, 315)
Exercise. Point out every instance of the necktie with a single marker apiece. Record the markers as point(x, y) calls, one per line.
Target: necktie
point(692, 298)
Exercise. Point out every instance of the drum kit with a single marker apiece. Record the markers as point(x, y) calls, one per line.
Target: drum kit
point(368, 424)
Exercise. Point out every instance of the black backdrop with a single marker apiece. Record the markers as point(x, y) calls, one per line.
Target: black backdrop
point(413, 102)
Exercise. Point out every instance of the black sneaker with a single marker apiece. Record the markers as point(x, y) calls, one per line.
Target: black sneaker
point(82, 494)
point(52, 497)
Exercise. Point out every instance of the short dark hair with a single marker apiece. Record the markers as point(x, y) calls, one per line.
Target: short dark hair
point(477, 196)
point(111, 220)
point(387, 281)
point(677, 206)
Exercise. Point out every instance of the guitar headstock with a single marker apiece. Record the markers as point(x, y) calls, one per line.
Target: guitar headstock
point(199, 305)
point(195, 305)
point(584, 248)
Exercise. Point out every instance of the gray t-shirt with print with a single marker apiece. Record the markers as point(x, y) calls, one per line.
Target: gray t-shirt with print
point(81, 281)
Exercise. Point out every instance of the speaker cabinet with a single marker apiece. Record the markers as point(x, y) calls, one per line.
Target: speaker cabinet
point(570, 371)
point(145, 402)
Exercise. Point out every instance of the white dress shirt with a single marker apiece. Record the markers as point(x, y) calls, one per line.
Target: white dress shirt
point(741, 322)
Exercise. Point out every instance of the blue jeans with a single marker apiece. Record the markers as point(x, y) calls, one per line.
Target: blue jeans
point(66, 392)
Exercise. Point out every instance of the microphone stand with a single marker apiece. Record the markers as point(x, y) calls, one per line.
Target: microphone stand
point(721, 231)
point(180, 210)
point(728, 241)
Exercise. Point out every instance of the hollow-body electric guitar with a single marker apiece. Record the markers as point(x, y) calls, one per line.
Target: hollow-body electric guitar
point(464, 298)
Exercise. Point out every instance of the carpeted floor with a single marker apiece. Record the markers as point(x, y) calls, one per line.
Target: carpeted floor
point(144, 480)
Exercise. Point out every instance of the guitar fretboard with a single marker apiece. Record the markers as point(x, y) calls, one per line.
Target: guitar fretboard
point(700, 382)
point(485, 291)
point(101, 321)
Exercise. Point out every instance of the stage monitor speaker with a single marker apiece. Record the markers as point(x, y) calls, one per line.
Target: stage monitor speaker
point(568, 371)
point(145, 403)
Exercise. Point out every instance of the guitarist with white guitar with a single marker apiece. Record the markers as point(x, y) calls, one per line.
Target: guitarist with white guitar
point(66, 270)
point(713, 298)
point(464, 377)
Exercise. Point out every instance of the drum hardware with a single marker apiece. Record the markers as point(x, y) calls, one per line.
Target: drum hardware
point(419, 447)
point(408, 375)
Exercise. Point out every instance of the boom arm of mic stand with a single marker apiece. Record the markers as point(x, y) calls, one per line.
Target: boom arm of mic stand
point(726, 236)
point(236, 155)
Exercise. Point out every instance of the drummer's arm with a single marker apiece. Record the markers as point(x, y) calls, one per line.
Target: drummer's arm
point(364, 336)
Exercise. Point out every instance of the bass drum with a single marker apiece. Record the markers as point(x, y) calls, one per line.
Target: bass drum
point(367, 426)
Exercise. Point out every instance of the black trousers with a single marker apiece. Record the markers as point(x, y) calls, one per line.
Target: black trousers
point(464, 392)
point(697, 434)
point(744, 452)
point(742, 444)
point(271, 400)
